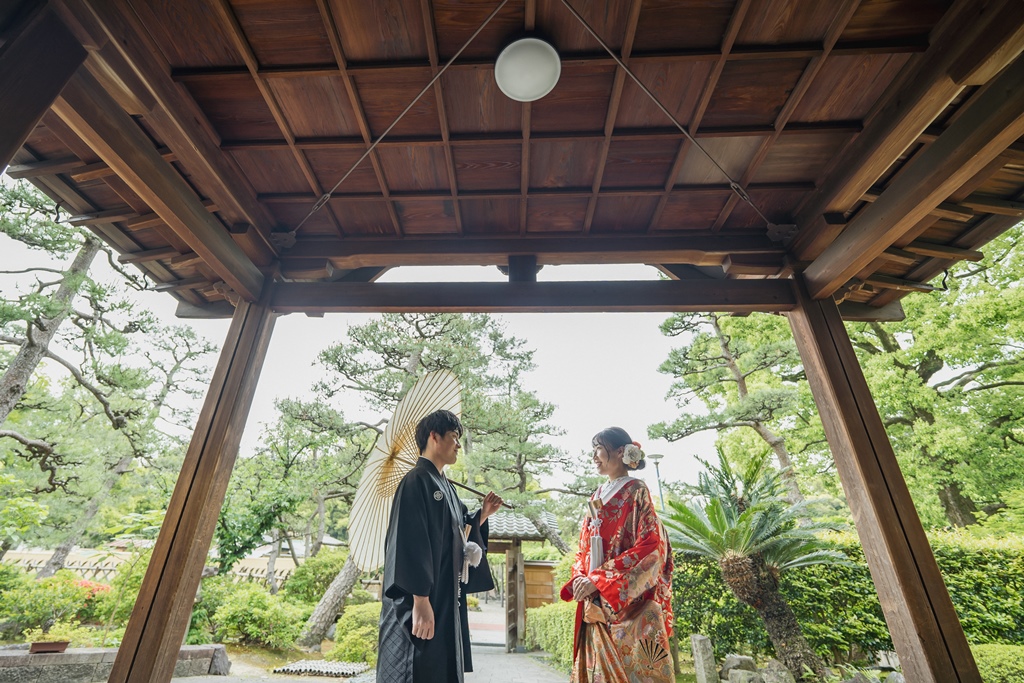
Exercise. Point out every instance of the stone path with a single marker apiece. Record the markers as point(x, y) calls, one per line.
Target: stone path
point(491, 664)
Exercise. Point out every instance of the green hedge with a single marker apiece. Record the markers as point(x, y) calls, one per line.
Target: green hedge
point(250, 614)
point(550, 628)
point(1000, 663)
point(837, 606)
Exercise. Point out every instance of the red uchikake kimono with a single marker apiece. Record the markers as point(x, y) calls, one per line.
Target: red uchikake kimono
point(634, 597)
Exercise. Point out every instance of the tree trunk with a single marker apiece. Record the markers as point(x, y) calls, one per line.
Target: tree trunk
point(39, 335)
point(329, 606)
point(5, 545)
point(791, 647)
point(960, 510)
point(84, 521)
point(549, 533)
point(778, 445)
point(275, 550)
point(321, 528)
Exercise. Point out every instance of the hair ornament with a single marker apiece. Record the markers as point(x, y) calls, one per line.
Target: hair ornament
point(632, 455)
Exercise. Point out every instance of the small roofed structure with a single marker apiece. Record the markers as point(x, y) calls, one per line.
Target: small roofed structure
point(528, 584)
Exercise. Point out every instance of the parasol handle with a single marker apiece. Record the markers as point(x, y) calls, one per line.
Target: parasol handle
point(473, 490)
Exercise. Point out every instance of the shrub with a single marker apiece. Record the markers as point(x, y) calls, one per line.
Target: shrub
point(837, 606)
point(71, 631)
point(563, 570)
point(359, 597)
point(356, 635)
point(93, 599)
point(472, 602)
point(11, 577)
point(42, 603)
point(310, 580)
point(1000, 663)
point(255, 617)
point(550, 627)
point(213, 590)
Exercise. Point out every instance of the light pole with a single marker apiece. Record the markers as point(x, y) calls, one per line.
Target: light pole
point(656, 458)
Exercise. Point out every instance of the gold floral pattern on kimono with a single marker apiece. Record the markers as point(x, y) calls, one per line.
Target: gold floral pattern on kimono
point(634, 594)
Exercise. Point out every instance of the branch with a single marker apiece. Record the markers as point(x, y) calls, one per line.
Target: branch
point(45, 454)
point(995, 385)
point(570, 492)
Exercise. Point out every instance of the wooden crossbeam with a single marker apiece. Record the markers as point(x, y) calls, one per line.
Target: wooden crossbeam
point(37, 58)
point(1002, 207)
point(147, 255)
point(950, 210)
point(108, 216)
point(899, 284)
point(100, 170)
point(943, 251)
point(705, 251)
point(985, 127)
point(729, 296)
point(972, 35)
point(503, 138)
point(48, 167)
point(95, 117)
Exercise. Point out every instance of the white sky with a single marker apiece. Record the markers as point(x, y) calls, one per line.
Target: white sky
point(599, 369)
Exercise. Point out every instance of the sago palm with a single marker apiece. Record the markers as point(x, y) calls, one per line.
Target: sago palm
point(742, 521)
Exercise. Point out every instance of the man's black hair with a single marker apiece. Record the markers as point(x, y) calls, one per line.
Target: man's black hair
point(440, 421)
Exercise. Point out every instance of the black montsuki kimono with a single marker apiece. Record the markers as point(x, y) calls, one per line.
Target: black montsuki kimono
point(423, 555)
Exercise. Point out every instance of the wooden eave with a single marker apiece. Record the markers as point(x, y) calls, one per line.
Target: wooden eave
point(881, 138)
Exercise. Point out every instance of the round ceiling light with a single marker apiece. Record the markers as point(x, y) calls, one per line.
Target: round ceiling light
point(527, 69)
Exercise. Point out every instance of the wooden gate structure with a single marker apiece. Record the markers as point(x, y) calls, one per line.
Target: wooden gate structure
point(877, 142)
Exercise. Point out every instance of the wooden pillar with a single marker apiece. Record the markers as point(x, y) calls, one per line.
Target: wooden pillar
point(515, 597)
point(920, 615)
point(160, 619)
point(38, 54)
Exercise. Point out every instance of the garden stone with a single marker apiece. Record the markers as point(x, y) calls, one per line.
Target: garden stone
point(744, 676)
point(895, 677)
point(740, 662)
point(703, 659)
point(859, 678)
point(220, 665)
point(332, 631)
point(776, 672)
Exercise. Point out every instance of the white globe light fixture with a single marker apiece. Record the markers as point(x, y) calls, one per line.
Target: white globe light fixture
point(527, 69)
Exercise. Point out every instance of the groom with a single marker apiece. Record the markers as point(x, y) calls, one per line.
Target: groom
point(424, 632)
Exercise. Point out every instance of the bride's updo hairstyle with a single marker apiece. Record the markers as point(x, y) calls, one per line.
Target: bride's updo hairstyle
point(615, 438)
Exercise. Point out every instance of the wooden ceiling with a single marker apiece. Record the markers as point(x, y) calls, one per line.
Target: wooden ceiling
point(879, 137)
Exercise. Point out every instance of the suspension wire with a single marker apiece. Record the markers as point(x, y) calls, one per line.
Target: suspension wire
point(326, 197)
point(733, 185)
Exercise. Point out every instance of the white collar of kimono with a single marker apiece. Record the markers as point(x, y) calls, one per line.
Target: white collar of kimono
point(607, 490)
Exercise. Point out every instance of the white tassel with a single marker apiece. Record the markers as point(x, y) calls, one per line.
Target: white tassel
point(474, 553)
point(596, 552)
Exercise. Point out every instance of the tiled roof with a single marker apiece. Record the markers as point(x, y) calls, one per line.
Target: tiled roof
point(507, 526)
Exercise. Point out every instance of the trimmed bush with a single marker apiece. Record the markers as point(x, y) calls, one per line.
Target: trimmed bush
point(76, 635)
point(253, 616)
point(356, 635)
point(837, 606)
point(116, 605)
point(1000, 663)
point(40, 604)
point(310, 580)
point(550, 628)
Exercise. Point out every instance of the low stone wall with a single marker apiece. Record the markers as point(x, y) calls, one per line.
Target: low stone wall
point(93, 665)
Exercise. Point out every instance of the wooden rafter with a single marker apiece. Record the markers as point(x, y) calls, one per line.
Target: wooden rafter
point(442, 115)
point(728, 41)
point(95, 117)
point(613, 109)
point(813, 68)
point(987, 125)
point(179, 123)
point(972, 35)
point(241, 44)
point(334, 37)
point(738, 296)
point(529, 24)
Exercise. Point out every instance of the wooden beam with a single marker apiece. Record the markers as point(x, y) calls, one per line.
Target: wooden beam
point(48, 167)
point(966, 32)
point(149, 649)
point(1001, 207)
point(729, 296)
point(93, 115)
point(100, 170)
point(197, 282)
point(147, 255)
point(985, 127)
point(943, 251)
point(921, 619)
point(522, 268)
point(950, 210)
point(37, 58)
point(853, 311)
point(177, 120)
point(899, 284)
point(697, 250)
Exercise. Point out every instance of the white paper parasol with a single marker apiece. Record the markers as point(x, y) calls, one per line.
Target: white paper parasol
point(394, 454)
